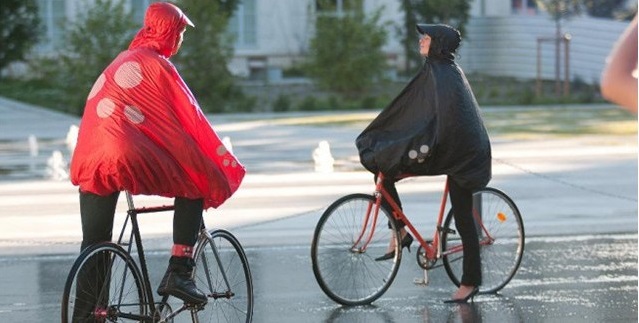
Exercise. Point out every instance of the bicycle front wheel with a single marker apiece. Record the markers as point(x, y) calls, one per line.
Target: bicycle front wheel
point(347, 239)
point(501, 240)
point(104, 285)
point(222, 272)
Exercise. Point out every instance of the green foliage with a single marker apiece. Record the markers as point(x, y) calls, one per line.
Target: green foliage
point(603, 8)
point(205, 53)
point(310, 103)
point(346, 53)
point(282, 103)
point(561, 9)
point(90, 43)
point(451, 12)
point(19, 29)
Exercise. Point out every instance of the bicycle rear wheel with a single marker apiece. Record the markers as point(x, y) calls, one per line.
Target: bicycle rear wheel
point(104, 285)
point(343, 262)
point(501, 237)
point(222, 272)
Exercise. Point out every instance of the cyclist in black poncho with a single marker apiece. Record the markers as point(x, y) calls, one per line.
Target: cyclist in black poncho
point(434, 127)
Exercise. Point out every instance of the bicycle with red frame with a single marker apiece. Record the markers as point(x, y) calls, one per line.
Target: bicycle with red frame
point(353, 231)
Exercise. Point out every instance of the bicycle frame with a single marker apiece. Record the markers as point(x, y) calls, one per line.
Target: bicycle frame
point(432, 250)
point(132, 213)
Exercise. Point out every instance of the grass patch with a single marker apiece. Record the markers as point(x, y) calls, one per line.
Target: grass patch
point(560, 121)
point(512, 122)
point(36, 92)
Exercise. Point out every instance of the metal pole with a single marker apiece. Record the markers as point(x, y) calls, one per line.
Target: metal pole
point(538, 83)
point(558, 59)
point(566, 39)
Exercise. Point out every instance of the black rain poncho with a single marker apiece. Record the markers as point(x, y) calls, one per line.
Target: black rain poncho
point(433, 127)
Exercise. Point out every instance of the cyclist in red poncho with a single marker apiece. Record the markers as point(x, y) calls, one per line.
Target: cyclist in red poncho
point(143, 131)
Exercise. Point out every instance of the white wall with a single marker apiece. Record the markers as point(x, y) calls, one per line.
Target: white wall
point(490, 8)
point(507, 46)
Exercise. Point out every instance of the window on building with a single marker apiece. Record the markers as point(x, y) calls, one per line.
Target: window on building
point(337, 7)
point(52, 15)
point(243, 25)
point(138, 8)
point(524, 7)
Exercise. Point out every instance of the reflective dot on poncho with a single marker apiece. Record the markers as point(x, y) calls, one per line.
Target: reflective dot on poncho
point(128, 75)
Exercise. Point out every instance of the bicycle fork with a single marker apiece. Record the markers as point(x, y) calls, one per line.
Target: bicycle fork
point(373, 207)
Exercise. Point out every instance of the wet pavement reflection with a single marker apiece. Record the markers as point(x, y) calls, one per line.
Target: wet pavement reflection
point(586, 278)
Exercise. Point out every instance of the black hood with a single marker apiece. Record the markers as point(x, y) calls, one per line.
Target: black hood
point(446, 35)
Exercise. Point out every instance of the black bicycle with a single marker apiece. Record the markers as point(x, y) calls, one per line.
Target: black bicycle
point(106, 284)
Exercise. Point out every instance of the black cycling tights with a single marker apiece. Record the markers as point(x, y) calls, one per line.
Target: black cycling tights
point(461, 200)
point(97, 214)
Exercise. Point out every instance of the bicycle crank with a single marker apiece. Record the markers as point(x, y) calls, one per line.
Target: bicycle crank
point(423, 261)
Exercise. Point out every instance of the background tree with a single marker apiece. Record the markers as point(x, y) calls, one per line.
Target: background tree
point(99, 33)
point(603, 8)
point(346, 52)
point(560, 10)
point(450, 12)
point(19, 30)
point(615, 9)
point(206, 51)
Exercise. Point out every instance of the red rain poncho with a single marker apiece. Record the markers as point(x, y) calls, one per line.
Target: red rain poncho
point(142, 129)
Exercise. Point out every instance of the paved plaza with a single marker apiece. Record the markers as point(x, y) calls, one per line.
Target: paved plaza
point(577, 195)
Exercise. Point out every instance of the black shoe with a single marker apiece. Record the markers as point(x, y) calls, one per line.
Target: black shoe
point(177, 282)
point(465, 299)
point(406, 242)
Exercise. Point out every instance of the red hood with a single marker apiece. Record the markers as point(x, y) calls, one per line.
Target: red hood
point(163, 23)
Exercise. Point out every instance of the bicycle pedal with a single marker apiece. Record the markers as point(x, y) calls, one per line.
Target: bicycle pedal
point(420, 282)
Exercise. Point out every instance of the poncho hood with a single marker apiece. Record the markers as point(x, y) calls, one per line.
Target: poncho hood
point(163, 22)
point(447, 36)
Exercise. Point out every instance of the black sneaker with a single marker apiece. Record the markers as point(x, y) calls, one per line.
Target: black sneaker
point(177, 282)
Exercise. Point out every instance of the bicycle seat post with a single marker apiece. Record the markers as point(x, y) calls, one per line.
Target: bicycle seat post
point(129, 214)
point(129, 200)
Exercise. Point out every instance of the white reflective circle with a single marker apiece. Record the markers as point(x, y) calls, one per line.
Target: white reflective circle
point(128, 75)
point(97, 86)
point(105, 108)
point(221, 150)
point(134, 114)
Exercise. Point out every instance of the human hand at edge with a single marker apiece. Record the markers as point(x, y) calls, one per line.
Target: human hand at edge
point(618, 79)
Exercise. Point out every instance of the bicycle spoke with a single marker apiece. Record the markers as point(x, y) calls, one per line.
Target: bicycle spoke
point(222, 266)
point(104, 284)
point(500, 259)
point(349, 276)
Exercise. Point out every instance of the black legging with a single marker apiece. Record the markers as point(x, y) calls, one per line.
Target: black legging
point(461, 200)
point(97, 214)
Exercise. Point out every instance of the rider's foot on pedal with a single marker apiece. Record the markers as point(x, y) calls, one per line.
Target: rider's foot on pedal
point(177, 281)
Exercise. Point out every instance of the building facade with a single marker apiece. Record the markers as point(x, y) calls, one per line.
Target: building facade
point(503, 37)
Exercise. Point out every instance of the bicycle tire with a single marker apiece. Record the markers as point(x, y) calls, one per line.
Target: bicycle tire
point(104, 285)
point(232, 302)
point(347, 275)
point(500, 259)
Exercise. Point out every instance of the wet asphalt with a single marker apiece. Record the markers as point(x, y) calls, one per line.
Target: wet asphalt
point(578, 198)
point(584, 278)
